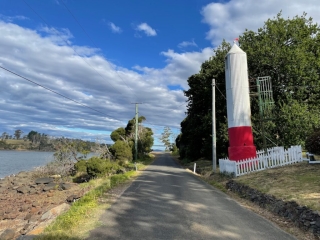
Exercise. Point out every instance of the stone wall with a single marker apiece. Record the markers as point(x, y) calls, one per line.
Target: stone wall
point(301, 216)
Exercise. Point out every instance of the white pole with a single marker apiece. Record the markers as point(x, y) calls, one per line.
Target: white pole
point(194, 167)
point(214, 145)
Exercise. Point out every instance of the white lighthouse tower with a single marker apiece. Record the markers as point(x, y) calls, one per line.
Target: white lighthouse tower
point(238, 106)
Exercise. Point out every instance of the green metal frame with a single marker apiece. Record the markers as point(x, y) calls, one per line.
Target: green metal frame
point(266, 103)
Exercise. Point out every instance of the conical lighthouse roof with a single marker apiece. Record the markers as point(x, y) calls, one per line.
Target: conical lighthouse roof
point(235, 49)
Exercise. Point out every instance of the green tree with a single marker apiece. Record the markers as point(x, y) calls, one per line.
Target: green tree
point(145, 140)
point(195, 140)
point(121, 151)
point(18, 133)
point(118, 134)
point(32, 136)
point(165, 137)
point(127, 135)
point(288, 51)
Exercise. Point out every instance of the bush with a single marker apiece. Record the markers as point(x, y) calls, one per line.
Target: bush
point(121, 151)
point(97, 167)
point(81, 166)
point(313, 143)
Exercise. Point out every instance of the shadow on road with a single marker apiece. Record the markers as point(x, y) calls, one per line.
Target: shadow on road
point(166, 202)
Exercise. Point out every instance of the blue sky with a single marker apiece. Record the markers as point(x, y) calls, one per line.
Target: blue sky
point(123, 52)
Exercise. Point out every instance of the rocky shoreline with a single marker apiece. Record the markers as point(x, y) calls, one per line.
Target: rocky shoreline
point(29, 204)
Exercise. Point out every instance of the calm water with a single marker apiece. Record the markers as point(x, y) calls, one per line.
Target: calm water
point(12, 162)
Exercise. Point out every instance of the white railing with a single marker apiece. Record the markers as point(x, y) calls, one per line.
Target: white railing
point(273, 157)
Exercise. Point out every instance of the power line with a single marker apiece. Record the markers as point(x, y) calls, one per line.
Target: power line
point(61, 95)
point(69, 45)
point(251, 126)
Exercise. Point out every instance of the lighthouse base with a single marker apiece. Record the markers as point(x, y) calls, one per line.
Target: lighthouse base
point(241, 152)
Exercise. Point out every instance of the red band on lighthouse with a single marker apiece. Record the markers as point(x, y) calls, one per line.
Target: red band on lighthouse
point(238, 106)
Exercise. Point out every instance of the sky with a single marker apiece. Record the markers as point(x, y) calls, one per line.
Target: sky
point(104, 56)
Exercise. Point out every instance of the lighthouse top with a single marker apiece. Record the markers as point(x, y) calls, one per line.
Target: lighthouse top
point(235, 49)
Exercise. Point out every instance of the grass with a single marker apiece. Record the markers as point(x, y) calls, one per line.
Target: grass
point(297, 182)
point(84, 214)
point(17, 141)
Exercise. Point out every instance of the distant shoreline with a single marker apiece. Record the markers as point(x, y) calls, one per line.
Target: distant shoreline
point(26, 150)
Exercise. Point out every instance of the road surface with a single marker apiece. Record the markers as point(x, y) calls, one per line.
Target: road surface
point(167, 202)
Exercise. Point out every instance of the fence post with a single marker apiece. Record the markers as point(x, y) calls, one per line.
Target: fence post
point(194, 167)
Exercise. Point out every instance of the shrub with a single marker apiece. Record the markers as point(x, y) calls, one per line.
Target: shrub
point(121, 151)
point(81, 166)
point(97, 167)
point(313, 142)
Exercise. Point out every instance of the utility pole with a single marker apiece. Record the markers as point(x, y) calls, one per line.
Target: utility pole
point(136, 133)
point(214, 145)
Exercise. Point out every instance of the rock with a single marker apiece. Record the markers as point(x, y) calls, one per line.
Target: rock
point(54, 212)
point(50, 186)
point(301, 216)
point(23, 231)
point(50, 194)
point(8, 234)
point(23, 189)
point(72, 198)
point(2, 189)
point(65, 186)
point(34, 210)
point(34, 218)
point(28, 216)
point(44, 180)
point(26, 226)
point(12, 215)
point(23, 174)
point(33, 190)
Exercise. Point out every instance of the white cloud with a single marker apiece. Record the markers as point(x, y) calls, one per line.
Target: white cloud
point(149, 31)
point(12, 18)
point(187, 44)
point(114, 28)
point(88, 78)
point(179, 67)
point(229, 20)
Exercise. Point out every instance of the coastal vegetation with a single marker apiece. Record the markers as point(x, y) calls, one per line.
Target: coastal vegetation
point(71, 168)
point(83, 215)
point(36, 141)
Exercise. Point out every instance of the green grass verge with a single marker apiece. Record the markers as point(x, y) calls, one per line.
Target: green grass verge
point(81, 217)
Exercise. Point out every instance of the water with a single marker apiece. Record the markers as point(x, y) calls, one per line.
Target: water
point(12, 162)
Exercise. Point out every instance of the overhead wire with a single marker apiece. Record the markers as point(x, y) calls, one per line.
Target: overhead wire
point(55, 92)
point(73, 16)
point(76, 20)
point(251, 126)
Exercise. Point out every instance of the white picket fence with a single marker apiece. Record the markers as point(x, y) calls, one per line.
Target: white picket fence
point(274, 157)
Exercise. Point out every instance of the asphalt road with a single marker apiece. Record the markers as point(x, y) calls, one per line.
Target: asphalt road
point(167, 202)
